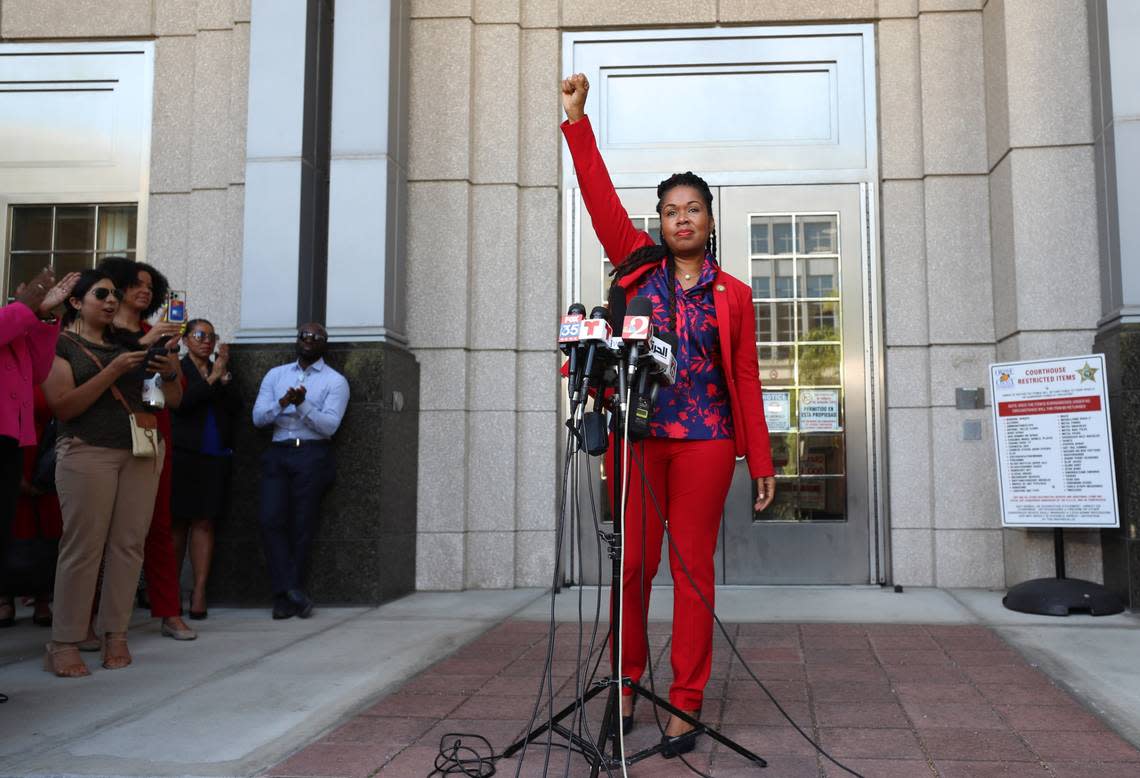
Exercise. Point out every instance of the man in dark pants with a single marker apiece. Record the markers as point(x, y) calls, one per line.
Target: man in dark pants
point(305, 402)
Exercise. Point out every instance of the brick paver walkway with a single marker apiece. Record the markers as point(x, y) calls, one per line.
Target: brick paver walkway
point(889, 701)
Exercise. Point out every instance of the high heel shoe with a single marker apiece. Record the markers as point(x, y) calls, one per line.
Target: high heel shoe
point(672, 747)
point(675, 745)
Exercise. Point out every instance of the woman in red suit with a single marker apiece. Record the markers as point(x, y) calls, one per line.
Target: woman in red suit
point(711, 415)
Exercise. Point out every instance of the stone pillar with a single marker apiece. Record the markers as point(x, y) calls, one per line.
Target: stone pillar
point(1043, 215)
point(364, 551)
point(1114, 28)
point(482, 284)
point(959, 305)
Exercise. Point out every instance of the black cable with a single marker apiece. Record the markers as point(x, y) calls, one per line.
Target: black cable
point(673, 549)
point(453, 758)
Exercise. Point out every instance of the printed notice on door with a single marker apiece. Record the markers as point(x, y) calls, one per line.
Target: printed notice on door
point(1054, 446)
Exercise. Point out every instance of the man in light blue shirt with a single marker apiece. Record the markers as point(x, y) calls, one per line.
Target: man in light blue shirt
point(305, 402)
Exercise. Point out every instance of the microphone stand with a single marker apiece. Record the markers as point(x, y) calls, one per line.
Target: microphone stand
point(610, 731)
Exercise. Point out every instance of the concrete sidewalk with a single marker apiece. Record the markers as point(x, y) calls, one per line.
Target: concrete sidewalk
point(253, 693)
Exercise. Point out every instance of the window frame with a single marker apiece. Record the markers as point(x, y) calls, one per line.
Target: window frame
point(95, 199)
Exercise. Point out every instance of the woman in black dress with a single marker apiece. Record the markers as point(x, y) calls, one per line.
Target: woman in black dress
point(203, 451)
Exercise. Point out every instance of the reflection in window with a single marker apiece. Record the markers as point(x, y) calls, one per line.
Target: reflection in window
point(800, 351)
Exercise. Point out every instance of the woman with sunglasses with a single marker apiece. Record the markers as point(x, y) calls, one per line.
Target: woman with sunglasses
point(203, 426)
point(106, 493)
point(145, 291)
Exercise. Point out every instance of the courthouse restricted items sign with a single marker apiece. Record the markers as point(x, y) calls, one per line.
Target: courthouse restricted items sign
point(1054, 446)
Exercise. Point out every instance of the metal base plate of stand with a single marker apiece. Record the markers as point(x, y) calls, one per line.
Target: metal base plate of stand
point(1062, 596)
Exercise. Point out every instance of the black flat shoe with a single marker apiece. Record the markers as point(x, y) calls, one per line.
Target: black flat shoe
point(681, 744)
point(302, 605)
point(283, 609)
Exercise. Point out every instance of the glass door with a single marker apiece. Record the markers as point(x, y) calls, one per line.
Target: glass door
point(800, 248)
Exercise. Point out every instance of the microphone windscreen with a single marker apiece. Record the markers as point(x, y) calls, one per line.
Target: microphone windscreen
point(617, 305)
point(576, 309)
point(600, 312)
point(639, 306)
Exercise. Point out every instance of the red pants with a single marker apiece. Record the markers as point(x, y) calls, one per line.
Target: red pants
point(159, 565)
point(690, 480)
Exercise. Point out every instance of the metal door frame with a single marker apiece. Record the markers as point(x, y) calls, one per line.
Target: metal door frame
point(573, 217)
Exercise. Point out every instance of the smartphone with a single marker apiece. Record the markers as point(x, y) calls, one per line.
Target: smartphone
point(176, 308)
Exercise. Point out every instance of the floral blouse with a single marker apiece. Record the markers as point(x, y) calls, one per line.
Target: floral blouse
point(697, 406)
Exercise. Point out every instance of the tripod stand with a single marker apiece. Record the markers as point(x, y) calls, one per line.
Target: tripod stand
point(609, 736)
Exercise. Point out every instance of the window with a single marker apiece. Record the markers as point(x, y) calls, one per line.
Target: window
point(66, 238)
point(796, 297)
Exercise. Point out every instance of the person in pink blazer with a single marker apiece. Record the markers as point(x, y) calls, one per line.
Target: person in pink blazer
point(28, 331)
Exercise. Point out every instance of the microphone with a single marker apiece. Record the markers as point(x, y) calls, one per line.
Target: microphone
point(663, 352)
point(568, 332)
point(592, 331)
point(637, 328)
point(661, 367)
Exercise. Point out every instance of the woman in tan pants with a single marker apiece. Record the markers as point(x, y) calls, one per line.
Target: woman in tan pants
point(106, 493)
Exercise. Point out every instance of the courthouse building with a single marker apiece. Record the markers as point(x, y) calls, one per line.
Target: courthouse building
point(913, 188)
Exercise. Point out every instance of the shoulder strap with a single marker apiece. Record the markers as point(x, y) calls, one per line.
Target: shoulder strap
point(114, 389)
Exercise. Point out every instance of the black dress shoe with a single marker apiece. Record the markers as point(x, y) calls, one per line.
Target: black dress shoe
point(301, 602)
point(198, 615)
point(681, 744)
point(283, 608)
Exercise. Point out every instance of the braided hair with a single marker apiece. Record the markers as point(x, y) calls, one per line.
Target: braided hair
point(653, 254)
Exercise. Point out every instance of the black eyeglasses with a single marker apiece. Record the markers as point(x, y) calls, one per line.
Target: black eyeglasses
point(101, 293)
point(203, 337)
point(311, 337)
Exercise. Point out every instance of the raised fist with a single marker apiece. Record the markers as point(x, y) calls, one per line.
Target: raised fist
point(574, 91)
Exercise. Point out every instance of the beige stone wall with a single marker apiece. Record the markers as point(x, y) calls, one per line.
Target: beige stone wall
point(198, 139)
point(985, 168)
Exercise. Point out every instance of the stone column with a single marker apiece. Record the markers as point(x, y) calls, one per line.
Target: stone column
point(482, 285)
point(1043, 215)
point(1114, 29)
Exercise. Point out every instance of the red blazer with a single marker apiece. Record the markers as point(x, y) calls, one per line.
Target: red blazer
point(736, 319)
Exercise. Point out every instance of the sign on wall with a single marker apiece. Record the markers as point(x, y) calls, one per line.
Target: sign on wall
point(1054, 445)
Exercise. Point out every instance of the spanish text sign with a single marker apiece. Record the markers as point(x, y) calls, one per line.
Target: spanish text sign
point(1054, 446)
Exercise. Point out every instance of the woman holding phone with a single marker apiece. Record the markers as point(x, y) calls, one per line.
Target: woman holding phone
point(106, 493)
point(710, 416)
point(145, 290)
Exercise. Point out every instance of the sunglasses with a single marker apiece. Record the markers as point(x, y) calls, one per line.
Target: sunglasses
point(101, 293)
point(311, 337)
point(203, 337)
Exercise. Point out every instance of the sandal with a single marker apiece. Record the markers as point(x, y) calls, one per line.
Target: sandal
point(56, 660)
point(116, 656)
